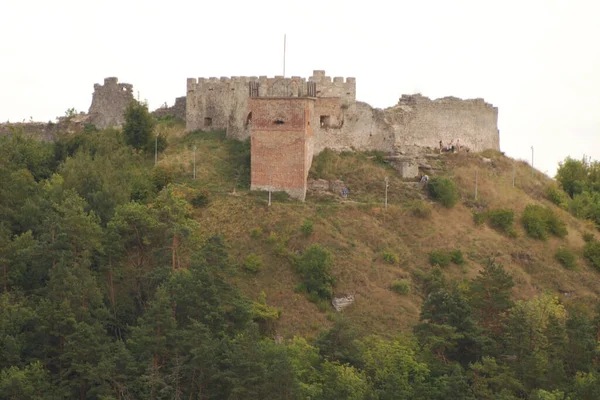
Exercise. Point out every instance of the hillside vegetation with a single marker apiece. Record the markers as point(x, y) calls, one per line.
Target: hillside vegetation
point(123, 279)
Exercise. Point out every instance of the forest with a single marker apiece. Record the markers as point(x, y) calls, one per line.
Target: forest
point(109, 290)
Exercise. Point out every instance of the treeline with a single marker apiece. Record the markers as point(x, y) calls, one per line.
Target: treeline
point(109, 292)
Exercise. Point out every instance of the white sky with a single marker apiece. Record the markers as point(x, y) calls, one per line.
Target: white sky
point(537, 60)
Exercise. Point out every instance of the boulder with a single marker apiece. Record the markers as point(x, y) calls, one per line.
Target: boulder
point(339, 303)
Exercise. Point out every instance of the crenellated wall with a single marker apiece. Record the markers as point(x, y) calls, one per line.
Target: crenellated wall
point(339, 121)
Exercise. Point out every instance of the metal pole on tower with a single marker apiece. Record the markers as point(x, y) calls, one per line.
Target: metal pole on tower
point(284, 54)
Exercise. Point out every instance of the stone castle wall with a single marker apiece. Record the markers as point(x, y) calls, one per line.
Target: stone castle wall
point(108, 103)
point(177, 110)
point(339, 121)
point(421, 122)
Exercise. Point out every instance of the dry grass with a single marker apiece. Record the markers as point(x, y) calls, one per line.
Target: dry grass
point(357, 231)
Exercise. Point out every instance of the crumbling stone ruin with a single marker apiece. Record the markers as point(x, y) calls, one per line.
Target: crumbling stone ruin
point(177, 110)
point(291, 119)
point(334, 119)
point(109, 102)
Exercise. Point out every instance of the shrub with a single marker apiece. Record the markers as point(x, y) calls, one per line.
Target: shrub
point(420, 209)
point(201, 199)
point(390, 258)
point(538, 221)
point(443, 190)
point(566, 257)
point(314, 265)
point(588, 237)
point(591, 252)
point(253, 263)
point(401, 286)
point(440, 257)
point(480, 218)
point(307, 227)
point(501, 219)
point(555, 225)
point(457, 257)
point(444, 257)
point(256, 232)
point(162, 176)
point(264, 315)
point(557, 196)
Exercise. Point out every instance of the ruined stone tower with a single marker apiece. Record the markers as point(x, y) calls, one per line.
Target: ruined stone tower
point(281, 137)
point(109, 102)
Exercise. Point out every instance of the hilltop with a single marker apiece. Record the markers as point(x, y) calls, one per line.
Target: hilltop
point(128, 274)
point(373, 246)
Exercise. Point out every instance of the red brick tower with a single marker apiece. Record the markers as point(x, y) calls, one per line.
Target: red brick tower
point(281, 142)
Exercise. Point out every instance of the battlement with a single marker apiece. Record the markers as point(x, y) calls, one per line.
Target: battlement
point(344, 88)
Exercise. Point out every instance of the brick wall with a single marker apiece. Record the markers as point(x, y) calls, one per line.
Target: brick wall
point(281, 144)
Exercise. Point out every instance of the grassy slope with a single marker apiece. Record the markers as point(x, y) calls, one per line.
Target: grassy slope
point(358, 230)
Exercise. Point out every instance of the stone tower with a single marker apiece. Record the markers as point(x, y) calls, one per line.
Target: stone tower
point(109, 102)
point(281, 141)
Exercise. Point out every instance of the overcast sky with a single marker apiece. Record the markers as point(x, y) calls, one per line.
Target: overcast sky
point(537, 60)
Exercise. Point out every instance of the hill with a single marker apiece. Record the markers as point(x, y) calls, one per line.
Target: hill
point(360, 232)
point(141, 266)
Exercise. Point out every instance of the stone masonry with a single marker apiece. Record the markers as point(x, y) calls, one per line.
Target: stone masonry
point(109, 102)
point(342, 123)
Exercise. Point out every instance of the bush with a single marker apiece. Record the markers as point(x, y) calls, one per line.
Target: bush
point(162, 176)
point(566, 257)
point(253, 263)
point(501, 219)
point(420, 209)
point(539, 221)
point(588, 237)
point(591, 252)
point(480, 218)
point(256, 232)
point(390, 258)
point(401, 286)
point(307, 227)
point(440, 257)
point(314, 265)
point(457, 257)
point(443, 258)
point(443, 190)
point(557, 196)
point(201, 199)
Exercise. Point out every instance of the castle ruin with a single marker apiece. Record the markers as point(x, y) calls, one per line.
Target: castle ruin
point(290, 119)
point(109, 102)
point(334, 120)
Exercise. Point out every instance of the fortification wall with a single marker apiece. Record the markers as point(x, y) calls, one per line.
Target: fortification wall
point(361, 127)
point(421, 122)
point(177, 110)
point(109, 102)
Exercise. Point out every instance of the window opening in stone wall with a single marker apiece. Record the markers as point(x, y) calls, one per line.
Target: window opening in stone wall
point(207, 122)
point(324, 121)
point(279, 122)
point(249, 119)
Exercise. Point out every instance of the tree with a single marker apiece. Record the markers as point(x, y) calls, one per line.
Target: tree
point(392, 368)
point(315, 267)
point(572, 175)
point(490, 296)
point(139, 126)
